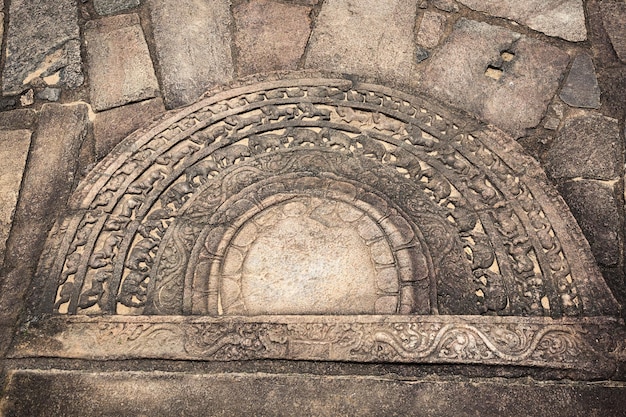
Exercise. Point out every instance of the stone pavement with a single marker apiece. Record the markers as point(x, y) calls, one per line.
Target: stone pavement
point(77, 77)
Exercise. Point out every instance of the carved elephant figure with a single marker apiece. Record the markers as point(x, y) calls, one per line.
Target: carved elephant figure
point(101, 258)
point(495, 298)
point(302, 135)
point(519, 250)
point(228, 155)
point(415, 136)
point(348, 114)
point(140, 254)
point(438, 184)
point(173, 156)
point(201, 170)
point(72, 263)
point(93, 294)
point(65, 294)
point(336, 138)
point(145, 184)
point(176, 194)
point(370, 147)
point(133, 292)
point(479, 184)
point(130, 205)
point(154, 221)
point(262, 143)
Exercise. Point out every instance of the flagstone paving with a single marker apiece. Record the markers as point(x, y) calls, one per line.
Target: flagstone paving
point(78, 76)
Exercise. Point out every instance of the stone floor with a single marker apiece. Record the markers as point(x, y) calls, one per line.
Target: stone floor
point(77, 77)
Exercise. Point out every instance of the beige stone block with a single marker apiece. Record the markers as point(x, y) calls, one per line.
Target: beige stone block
point(365, 37)
point(120, 68)
point(193, 46)
point(270, 35)
point(14, 146)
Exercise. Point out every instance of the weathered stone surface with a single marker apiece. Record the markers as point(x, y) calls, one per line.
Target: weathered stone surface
point(431, 29)
point(595, 207)
point(17, 119)
point(614, 19)
point(565, 19)
point(34, 393)
point(365, 37)
point(50, 94)
point(587, 146)
point(105, 7)
point(42, 40)
point(14, 146)
point(581, 87)
point(46, 185)
point(111, 126)
point(528, 72)
point(446, 5)
point(120, 68)
point(270, 35)
point(193, 46)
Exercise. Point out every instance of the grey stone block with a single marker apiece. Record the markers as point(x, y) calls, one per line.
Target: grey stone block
point(106, 7)
point(43, 45)
point(565, 19)
point(595, 207)
point(581, 87)
point(588, 146)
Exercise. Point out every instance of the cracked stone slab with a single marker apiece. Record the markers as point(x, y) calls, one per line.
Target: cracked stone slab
point(192, 39)
point(14, 146)
point(581, 87)
point(270, 35)
point(120, 67)
point(528, 73)
point(106, 7)
point(587, 146)
point(365, 37)
point(595, 207)
point(43, 45)
point(562, 18)
point(614, 19)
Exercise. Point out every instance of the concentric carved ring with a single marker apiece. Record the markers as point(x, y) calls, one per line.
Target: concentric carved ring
point(460, 221)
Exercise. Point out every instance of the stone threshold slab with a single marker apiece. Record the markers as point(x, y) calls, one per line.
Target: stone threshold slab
point(35, 393)
point(587, 344)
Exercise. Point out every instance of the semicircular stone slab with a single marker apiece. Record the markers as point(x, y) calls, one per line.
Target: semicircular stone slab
point(318, 196)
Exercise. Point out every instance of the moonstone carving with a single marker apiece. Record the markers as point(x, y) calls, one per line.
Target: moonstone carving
point(320, 198)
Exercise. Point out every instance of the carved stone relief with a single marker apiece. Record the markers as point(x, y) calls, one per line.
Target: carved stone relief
point(319, 196)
